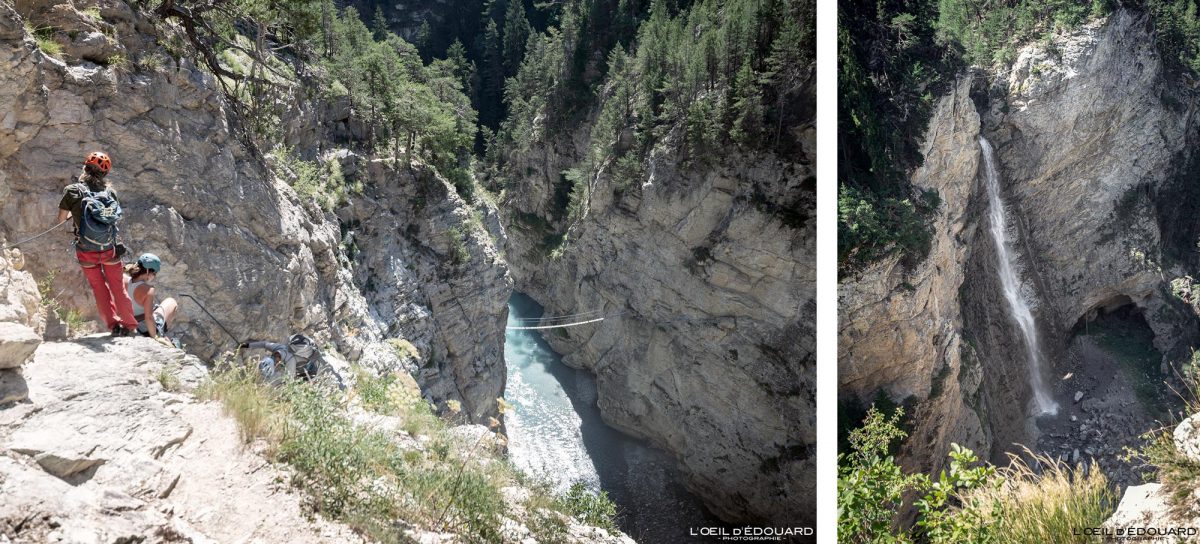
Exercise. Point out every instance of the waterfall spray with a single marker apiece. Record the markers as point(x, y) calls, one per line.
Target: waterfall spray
point(1014, 293)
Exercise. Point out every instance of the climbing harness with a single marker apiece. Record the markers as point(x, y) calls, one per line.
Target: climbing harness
point(215, 320)
point(39, 235)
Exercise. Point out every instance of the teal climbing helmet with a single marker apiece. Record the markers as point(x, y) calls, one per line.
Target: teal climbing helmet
point(151, 262)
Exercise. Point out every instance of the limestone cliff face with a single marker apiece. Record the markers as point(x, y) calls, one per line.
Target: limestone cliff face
point(900, 330)
point(1090, 135)
point(262, 260)
point(452, 306)
point(708, 350)
point(21, 322)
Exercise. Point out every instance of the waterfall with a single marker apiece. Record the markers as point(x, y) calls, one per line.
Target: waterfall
point(1014, 291)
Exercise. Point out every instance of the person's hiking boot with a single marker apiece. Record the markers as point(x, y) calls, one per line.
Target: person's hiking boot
point(119, 331)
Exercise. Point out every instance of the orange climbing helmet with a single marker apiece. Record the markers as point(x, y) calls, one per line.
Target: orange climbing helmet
point(100, 160)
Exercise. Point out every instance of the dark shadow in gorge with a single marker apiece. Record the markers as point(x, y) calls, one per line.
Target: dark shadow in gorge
point(641, 480)
point(1113, 368)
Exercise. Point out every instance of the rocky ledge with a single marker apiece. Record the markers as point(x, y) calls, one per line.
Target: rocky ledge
point(110, 446)
point(1149, 507)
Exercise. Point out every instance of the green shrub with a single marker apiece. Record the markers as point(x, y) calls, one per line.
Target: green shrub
point(322, 182)
point(71, 317)
point(373, 390)
point(548, 526)
point(359, 476)
point(254, 406)
point(588, 507)
point(168, 377)
point(938, 519)
point(92, 13)
point(871, 485)
point(151, 61)
point(969, 502)
point(44, 36)
point(459, 253)
point(871, 227)
point(404, 349)
point(117, 62)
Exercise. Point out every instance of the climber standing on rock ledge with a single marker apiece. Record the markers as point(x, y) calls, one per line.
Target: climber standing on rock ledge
point(96, 211)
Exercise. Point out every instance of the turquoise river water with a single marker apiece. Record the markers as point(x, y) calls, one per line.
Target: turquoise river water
point(556, 434)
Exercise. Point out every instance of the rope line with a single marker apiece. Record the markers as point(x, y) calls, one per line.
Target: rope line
point(39, 235)
point(215, 320)
point(584, 315)
point(594, 316)
point(555, 326)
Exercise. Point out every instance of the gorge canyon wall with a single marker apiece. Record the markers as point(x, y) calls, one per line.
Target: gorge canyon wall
point(1093, 138)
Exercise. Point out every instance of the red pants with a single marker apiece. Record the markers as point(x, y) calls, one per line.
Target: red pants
point(107, 278)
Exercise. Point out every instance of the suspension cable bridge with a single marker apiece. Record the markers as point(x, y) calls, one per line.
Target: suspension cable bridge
point(557, 322)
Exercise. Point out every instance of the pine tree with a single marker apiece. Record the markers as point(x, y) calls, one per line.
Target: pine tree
point(790, 59)
point(464, 69)
point(492, 76)
point(379, 23)
point(423, 40)
point(747, 107)
point(516, 33)
point(623, 21)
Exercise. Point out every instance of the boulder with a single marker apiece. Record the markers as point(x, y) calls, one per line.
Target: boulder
point(12, 386)
point(107, 454)
point(1149, 506)
point(1187, 438)
point(17, 344)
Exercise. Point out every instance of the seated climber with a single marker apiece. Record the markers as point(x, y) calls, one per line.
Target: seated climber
point(299, 357)
point(139, 285)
